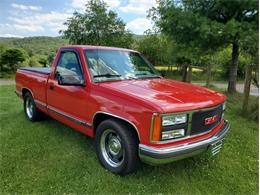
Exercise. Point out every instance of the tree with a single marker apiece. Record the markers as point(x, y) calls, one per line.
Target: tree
point(2, 50)
point(250, 47)
point(186, 58)
point(97, 26)
point(157, 48)
point(43, 61)
point(208, 24)
point(34, 61)
point(50, 58)
point(12, 58)
point(162, 50)
point(208, 60)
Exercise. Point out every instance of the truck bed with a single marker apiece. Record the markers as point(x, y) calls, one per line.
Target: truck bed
point(38, 70)
point(33, 79)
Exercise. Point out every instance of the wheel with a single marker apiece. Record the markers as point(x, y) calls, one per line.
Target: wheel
point(31, 111)
point(117, 147)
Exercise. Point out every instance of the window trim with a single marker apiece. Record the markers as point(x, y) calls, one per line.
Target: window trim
point(78, 58)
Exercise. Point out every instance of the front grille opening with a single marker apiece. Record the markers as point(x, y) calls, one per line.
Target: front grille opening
point(198, 125)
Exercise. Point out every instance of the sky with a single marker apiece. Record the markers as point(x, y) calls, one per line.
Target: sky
point(23, 18)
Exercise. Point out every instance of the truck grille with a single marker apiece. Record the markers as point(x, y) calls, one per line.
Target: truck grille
point(198, 120)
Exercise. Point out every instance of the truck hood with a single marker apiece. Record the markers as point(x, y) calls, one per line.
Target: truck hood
point(168, 95)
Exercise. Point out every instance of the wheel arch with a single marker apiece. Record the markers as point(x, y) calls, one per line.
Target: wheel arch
point(25, 90)
point(101, 116)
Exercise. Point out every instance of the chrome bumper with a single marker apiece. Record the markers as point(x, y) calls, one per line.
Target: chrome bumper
point(153, 155)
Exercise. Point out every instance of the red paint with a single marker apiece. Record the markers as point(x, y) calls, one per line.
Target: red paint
point(133, 100)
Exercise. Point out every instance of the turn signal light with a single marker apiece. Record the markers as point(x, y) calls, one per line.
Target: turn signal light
point(156, 128)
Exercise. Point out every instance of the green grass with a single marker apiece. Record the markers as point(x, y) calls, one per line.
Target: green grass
point(48, 157)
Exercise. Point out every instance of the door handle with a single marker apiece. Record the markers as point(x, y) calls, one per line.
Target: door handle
point(51, 87)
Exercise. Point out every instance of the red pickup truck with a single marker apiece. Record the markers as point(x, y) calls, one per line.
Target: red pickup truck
point(116, 96)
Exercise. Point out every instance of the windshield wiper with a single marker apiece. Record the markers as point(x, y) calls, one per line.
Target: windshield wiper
point(108, 75)
point(145, 75)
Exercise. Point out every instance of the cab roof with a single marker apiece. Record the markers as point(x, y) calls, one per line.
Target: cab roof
point(96, 47)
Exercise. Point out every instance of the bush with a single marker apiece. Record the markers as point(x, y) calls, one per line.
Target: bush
point(11, 59)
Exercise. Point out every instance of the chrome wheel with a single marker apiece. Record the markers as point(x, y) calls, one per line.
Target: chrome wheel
point(111, 148)
point(29, 107)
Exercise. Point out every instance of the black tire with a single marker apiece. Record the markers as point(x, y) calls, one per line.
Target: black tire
point(118, 131)
point(33, 114)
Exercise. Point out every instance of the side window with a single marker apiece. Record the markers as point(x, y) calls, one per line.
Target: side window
point(68, 65)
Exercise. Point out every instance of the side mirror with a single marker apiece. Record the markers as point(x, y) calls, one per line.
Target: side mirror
point(71, 80)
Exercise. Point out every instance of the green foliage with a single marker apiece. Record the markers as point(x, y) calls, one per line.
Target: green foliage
point(36, 45)
point(253, 112)
point(11, 58)
point(50, 58)
point(97, 26)
point(37, 51)
point(33, 61)
point(43, 61)
point(162, 50)
point(250, 49)
point(209, 25)
point(157, 48)
point(221, 60)
point(237, 100)
point(39, 45)
point(2, 48)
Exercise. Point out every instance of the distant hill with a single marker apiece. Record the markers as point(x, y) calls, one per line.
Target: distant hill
point(41, 45)
point(37, 45)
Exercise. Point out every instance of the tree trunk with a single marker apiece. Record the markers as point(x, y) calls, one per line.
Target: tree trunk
point(184, 74)
point(255, 78)
point(233, 68)
point(209, 75)
point(189, 76)
point(247, 88)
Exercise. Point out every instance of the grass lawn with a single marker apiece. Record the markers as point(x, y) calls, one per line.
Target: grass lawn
point(48, 157)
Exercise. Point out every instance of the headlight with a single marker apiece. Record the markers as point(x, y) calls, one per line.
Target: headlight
point(174, 119)
point(173, 134)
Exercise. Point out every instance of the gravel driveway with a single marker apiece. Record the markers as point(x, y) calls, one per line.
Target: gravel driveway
point(6, 82)
point(254, 91)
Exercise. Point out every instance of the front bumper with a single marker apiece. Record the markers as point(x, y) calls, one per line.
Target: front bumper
point(153, 155)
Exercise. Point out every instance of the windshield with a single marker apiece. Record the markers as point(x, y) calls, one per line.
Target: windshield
point(107, 65)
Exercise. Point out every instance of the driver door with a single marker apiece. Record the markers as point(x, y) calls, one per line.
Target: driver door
point(68, 102)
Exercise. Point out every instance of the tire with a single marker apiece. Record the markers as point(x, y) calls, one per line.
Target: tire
point(117, 147)
point(32, 113)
